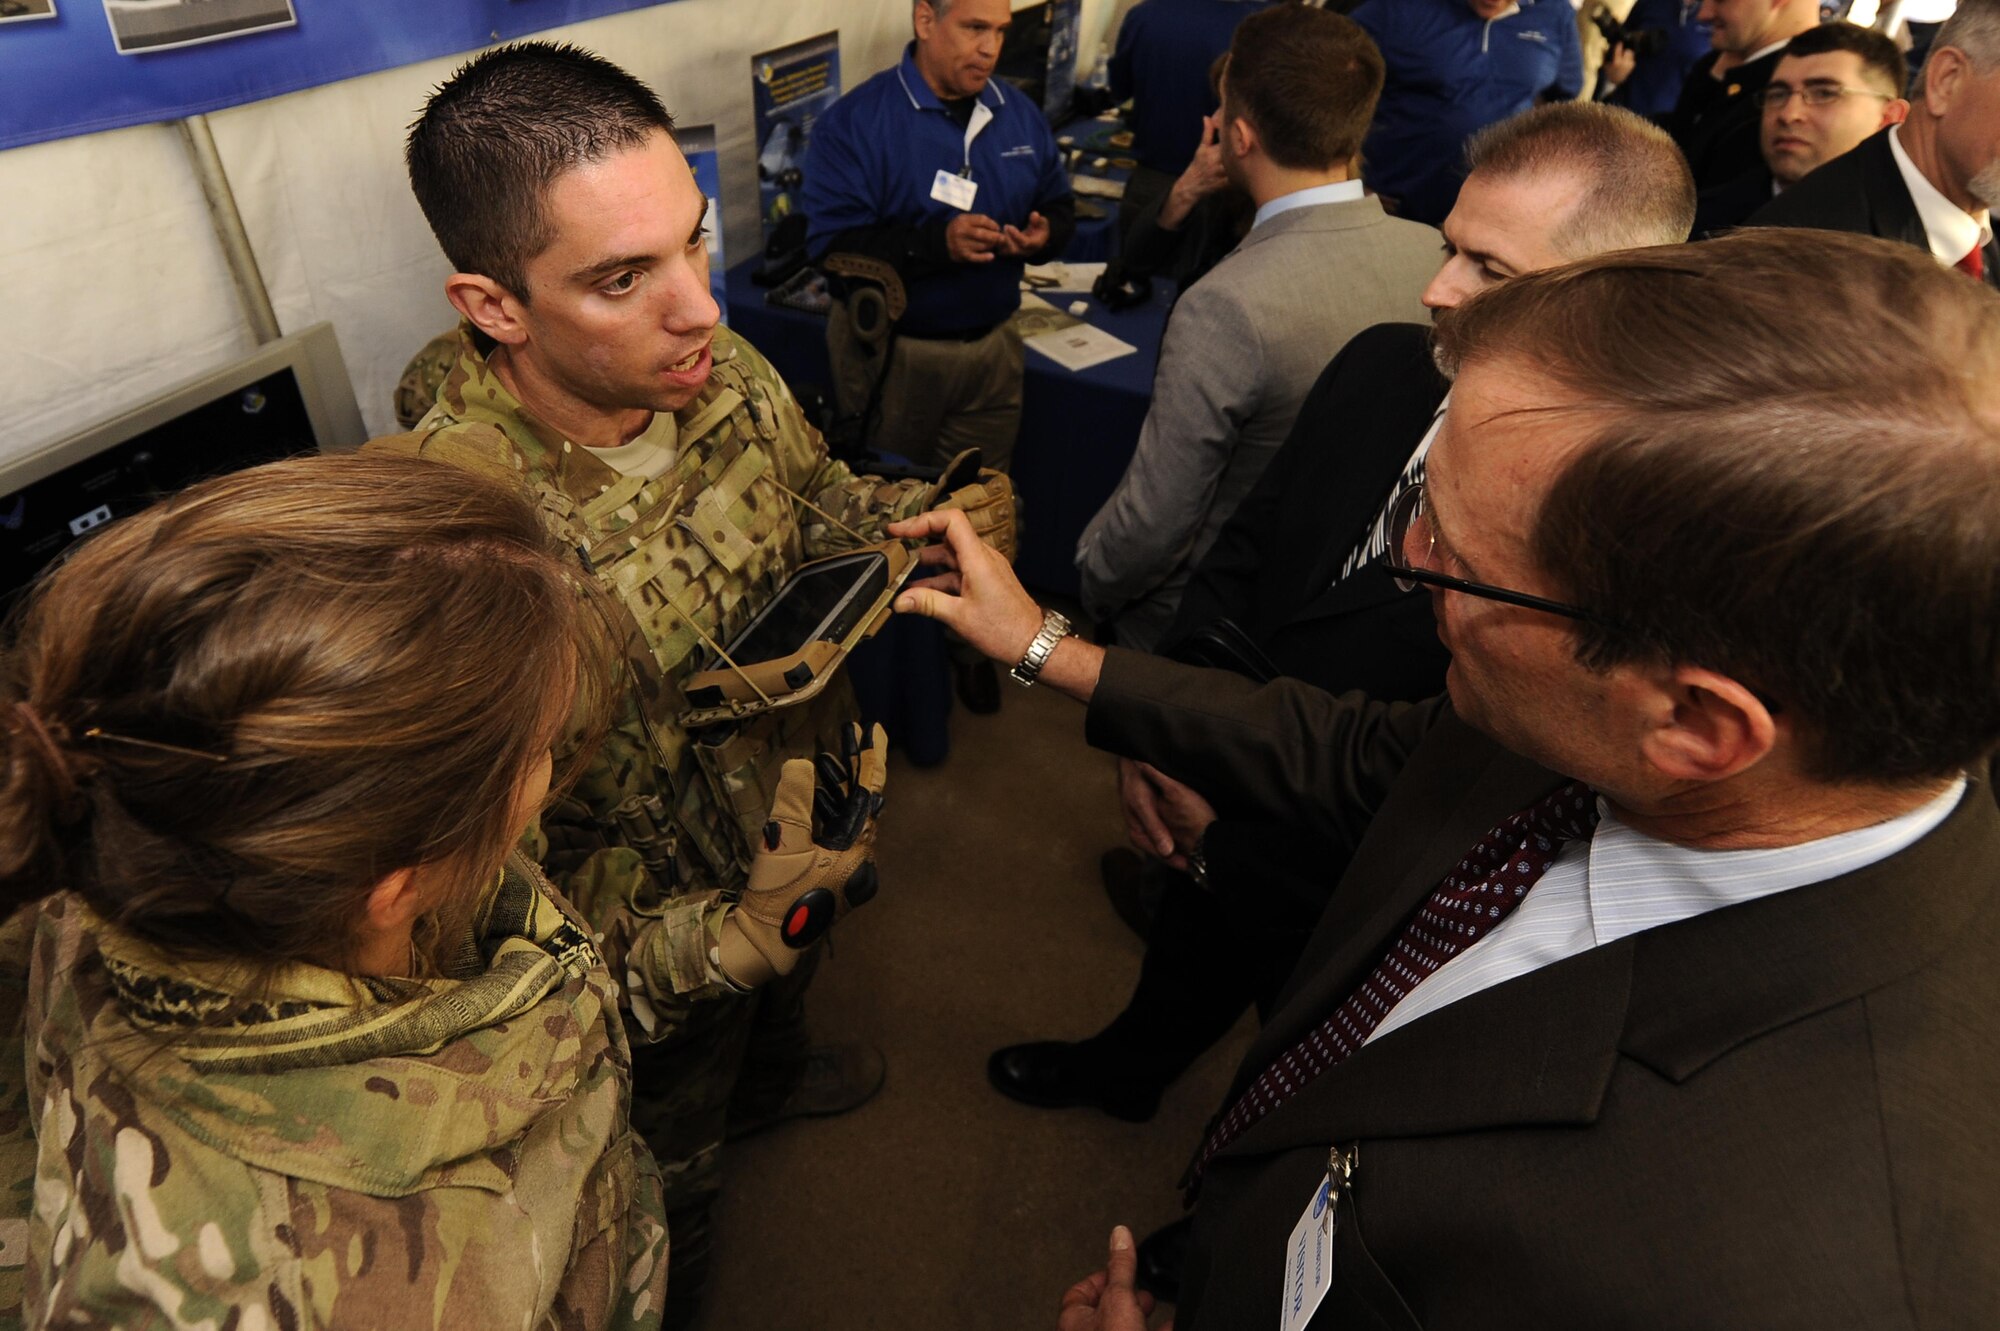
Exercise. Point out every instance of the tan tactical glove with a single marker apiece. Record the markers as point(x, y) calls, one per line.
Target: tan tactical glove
point(988, 500)
point(817, 861)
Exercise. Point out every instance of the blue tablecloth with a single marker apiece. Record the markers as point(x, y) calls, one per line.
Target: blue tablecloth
point(1096, 238)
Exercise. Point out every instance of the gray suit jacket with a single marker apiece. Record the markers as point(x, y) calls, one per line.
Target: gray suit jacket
point(1242, 349)
point(1777, 1114)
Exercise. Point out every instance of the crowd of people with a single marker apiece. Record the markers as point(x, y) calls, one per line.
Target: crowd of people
point(1552, 683)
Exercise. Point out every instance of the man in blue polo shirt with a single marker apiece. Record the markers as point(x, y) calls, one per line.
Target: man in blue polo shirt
point(956, 181)
point(1455, 67)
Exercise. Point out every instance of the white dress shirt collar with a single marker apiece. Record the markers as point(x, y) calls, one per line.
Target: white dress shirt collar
point(1953, 232)
point(1639, 883)
point(1342, 191)
point(1761, 52)
point(1622, 882)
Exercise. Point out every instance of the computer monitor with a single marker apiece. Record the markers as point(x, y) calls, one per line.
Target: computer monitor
point(287, 397)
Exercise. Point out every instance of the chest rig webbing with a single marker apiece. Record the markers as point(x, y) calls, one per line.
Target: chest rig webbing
point(686, 557)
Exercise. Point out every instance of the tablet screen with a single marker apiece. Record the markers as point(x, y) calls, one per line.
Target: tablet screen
point(821, 602)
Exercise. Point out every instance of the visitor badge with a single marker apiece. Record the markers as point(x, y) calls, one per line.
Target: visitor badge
point(954, 190)
point(1309, 1252)
point(1309, 1258)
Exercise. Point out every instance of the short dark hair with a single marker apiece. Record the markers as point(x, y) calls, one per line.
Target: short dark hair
point(1307, 79)
point(498, 133)
point(1637, 189)
point(1816, 515)
point(1881, 63)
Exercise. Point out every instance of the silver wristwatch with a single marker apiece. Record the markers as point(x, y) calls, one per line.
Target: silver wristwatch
point(1054, 629)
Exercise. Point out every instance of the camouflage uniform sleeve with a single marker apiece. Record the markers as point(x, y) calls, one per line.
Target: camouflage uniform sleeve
point(852, 505)
point(17, 1136)
point(657, 947)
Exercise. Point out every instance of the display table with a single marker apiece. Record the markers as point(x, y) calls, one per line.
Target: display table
point(1078, 428)
point(1089, 141)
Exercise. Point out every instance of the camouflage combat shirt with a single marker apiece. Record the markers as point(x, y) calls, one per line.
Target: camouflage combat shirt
point(342, 1152)
point(656, 836)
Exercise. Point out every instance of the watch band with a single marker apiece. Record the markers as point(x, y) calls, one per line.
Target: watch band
point(1197, 860)
point(1054, 629)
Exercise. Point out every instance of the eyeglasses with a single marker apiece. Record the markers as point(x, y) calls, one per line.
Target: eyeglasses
point(1814, 94)
point(1413, 544)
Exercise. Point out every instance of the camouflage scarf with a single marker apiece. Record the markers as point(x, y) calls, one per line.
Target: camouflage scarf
point(388, 1086)
point(524, 948)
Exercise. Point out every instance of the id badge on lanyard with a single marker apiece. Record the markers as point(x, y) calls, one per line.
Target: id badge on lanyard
point(960, 189)
point(1309, 1251)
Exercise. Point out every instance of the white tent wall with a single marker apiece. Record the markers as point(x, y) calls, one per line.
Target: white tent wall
point(113, 283)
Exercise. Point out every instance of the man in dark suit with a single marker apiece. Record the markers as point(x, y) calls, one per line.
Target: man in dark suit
point(1715, 120)
point(1929, 181)
point(1296, 569)
point(1662, 987)
point(1835, 85)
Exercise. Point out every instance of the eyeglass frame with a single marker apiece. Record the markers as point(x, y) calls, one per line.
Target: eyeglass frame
point(1805, 92)
point(1403, 515)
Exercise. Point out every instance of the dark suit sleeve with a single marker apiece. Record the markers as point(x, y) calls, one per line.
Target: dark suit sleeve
point(1283, 751)
point(1151, 248)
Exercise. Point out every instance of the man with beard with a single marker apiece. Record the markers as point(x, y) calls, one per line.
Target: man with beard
point(1321, 262)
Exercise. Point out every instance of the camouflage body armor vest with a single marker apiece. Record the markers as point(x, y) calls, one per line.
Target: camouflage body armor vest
point(691, 556)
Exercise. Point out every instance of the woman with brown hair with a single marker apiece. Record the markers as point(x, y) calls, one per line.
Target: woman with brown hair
point(304, 1044)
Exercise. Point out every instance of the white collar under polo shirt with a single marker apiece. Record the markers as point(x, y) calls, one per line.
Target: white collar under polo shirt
point(1953, 232)
point(1621, 882)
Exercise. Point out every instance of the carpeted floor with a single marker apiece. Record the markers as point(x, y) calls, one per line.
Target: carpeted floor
point(941, 1204)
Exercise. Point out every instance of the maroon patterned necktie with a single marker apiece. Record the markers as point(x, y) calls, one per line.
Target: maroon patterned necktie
point(1973, 265)
point(1482, 891)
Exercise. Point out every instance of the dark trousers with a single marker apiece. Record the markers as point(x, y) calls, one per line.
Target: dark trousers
point(1206, 960)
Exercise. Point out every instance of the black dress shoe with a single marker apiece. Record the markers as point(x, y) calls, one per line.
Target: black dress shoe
point(1160, 1256)
point(978, 685)
point(1050, 1074)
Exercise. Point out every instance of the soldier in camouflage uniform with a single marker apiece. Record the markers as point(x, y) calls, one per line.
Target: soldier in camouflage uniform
point(319, 1161)
point(417, 391)
point(671, 456)
point(249, 1076)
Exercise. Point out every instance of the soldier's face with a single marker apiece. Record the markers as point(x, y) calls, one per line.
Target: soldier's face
point(619, 314)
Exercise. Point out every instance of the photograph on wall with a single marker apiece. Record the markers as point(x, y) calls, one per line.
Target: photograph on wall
point(698, 146)
point(1065, 32)
point(794, 87)
point(161, 25)
point(18, 11)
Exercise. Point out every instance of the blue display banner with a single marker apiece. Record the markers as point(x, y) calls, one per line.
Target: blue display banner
point(793, 87)
point(90, 65)
point(698, 146)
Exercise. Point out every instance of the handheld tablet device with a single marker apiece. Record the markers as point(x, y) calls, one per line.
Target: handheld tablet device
point(796, 643)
